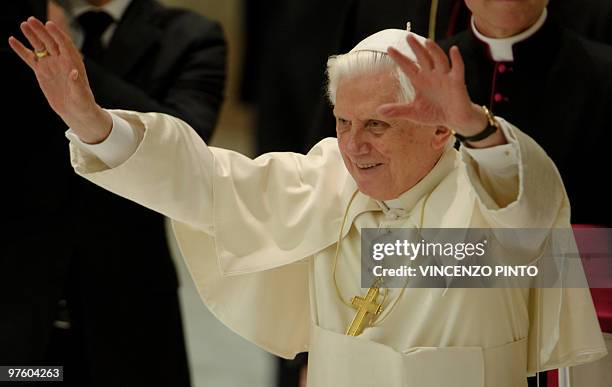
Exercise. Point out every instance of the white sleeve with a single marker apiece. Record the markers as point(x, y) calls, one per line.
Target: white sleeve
point(170, 170)
point(120, 144)
point(499, 160)
point(497, 167)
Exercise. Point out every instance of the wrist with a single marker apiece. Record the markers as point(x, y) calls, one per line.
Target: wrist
point(92, 127)
point(475, 122)
point(490, 135)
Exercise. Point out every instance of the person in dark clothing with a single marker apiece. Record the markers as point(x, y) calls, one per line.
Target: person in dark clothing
point(554, 84)
point(556, 81)
point(118, 321)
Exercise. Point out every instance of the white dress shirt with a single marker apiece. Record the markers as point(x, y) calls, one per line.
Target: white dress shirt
point(115, 8)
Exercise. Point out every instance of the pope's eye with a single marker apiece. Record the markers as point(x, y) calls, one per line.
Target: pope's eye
point(376, 126)
point(343, 123)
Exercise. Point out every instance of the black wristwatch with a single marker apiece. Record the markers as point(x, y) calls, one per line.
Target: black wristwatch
point(492, 127)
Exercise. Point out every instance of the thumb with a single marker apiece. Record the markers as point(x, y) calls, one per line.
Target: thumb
point(78, 83)
point(74, 75)
point(79, 90)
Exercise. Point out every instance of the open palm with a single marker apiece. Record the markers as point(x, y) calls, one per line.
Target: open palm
point(59, 69)
point(441, 97)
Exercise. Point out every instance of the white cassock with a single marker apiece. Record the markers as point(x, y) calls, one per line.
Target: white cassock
point(259, 237)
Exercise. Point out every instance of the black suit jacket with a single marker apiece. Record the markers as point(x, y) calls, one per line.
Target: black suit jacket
point(164, 60)
point(558, 90)
point(68, 238)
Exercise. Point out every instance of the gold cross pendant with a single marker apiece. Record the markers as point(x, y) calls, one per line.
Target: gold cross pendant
point(367, 308)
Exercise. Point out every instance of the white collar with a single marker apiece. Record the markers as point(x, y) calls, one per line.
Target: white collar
point(501, 49)
point(115, 8)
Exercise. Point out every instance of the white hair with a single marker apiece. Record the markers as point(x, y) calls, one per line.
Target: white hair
point(364, 62)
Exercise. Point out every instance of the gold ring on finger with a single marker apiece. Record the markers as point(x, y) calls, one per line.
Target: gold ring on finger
point(41, 53)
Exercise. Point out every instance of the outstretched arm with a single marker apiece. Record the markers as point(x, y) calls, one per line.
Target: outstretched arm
point(61, 75)
point(441, 97)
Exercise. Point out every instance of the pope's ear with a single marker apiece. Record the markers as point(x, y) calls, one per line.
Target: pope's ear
point(440, 137)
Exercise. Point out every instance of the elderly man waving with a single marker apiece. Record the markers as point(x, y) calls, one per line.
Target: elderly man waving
point(285, 228)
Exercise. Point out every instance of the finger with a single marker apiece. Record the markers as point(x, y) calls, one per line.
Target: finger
point(440, 59)
point(36, 43)
point(42, 34)
point(64, 42)
point(422, 56)
point(24, 53)
point(406, 64)
point(458, 68)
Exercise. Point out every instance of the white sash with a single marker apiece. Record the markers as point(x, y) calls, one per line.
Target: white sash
point(338, 360)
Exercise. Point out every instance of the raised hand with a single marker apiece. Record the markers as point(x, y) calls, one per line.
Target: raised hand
point(61, 75)
point(441, 96)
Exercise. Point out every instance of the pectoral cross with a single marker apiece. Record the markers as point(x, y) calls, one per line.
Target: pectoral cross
point(367, 308)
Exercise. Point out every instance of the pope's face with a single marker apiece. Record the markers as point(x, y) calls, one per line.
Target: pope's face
point(386, 157)
point(504, 18)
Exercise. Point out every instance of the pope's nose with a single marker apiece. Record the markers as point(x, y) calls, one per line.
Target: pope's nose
point(357, 144)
